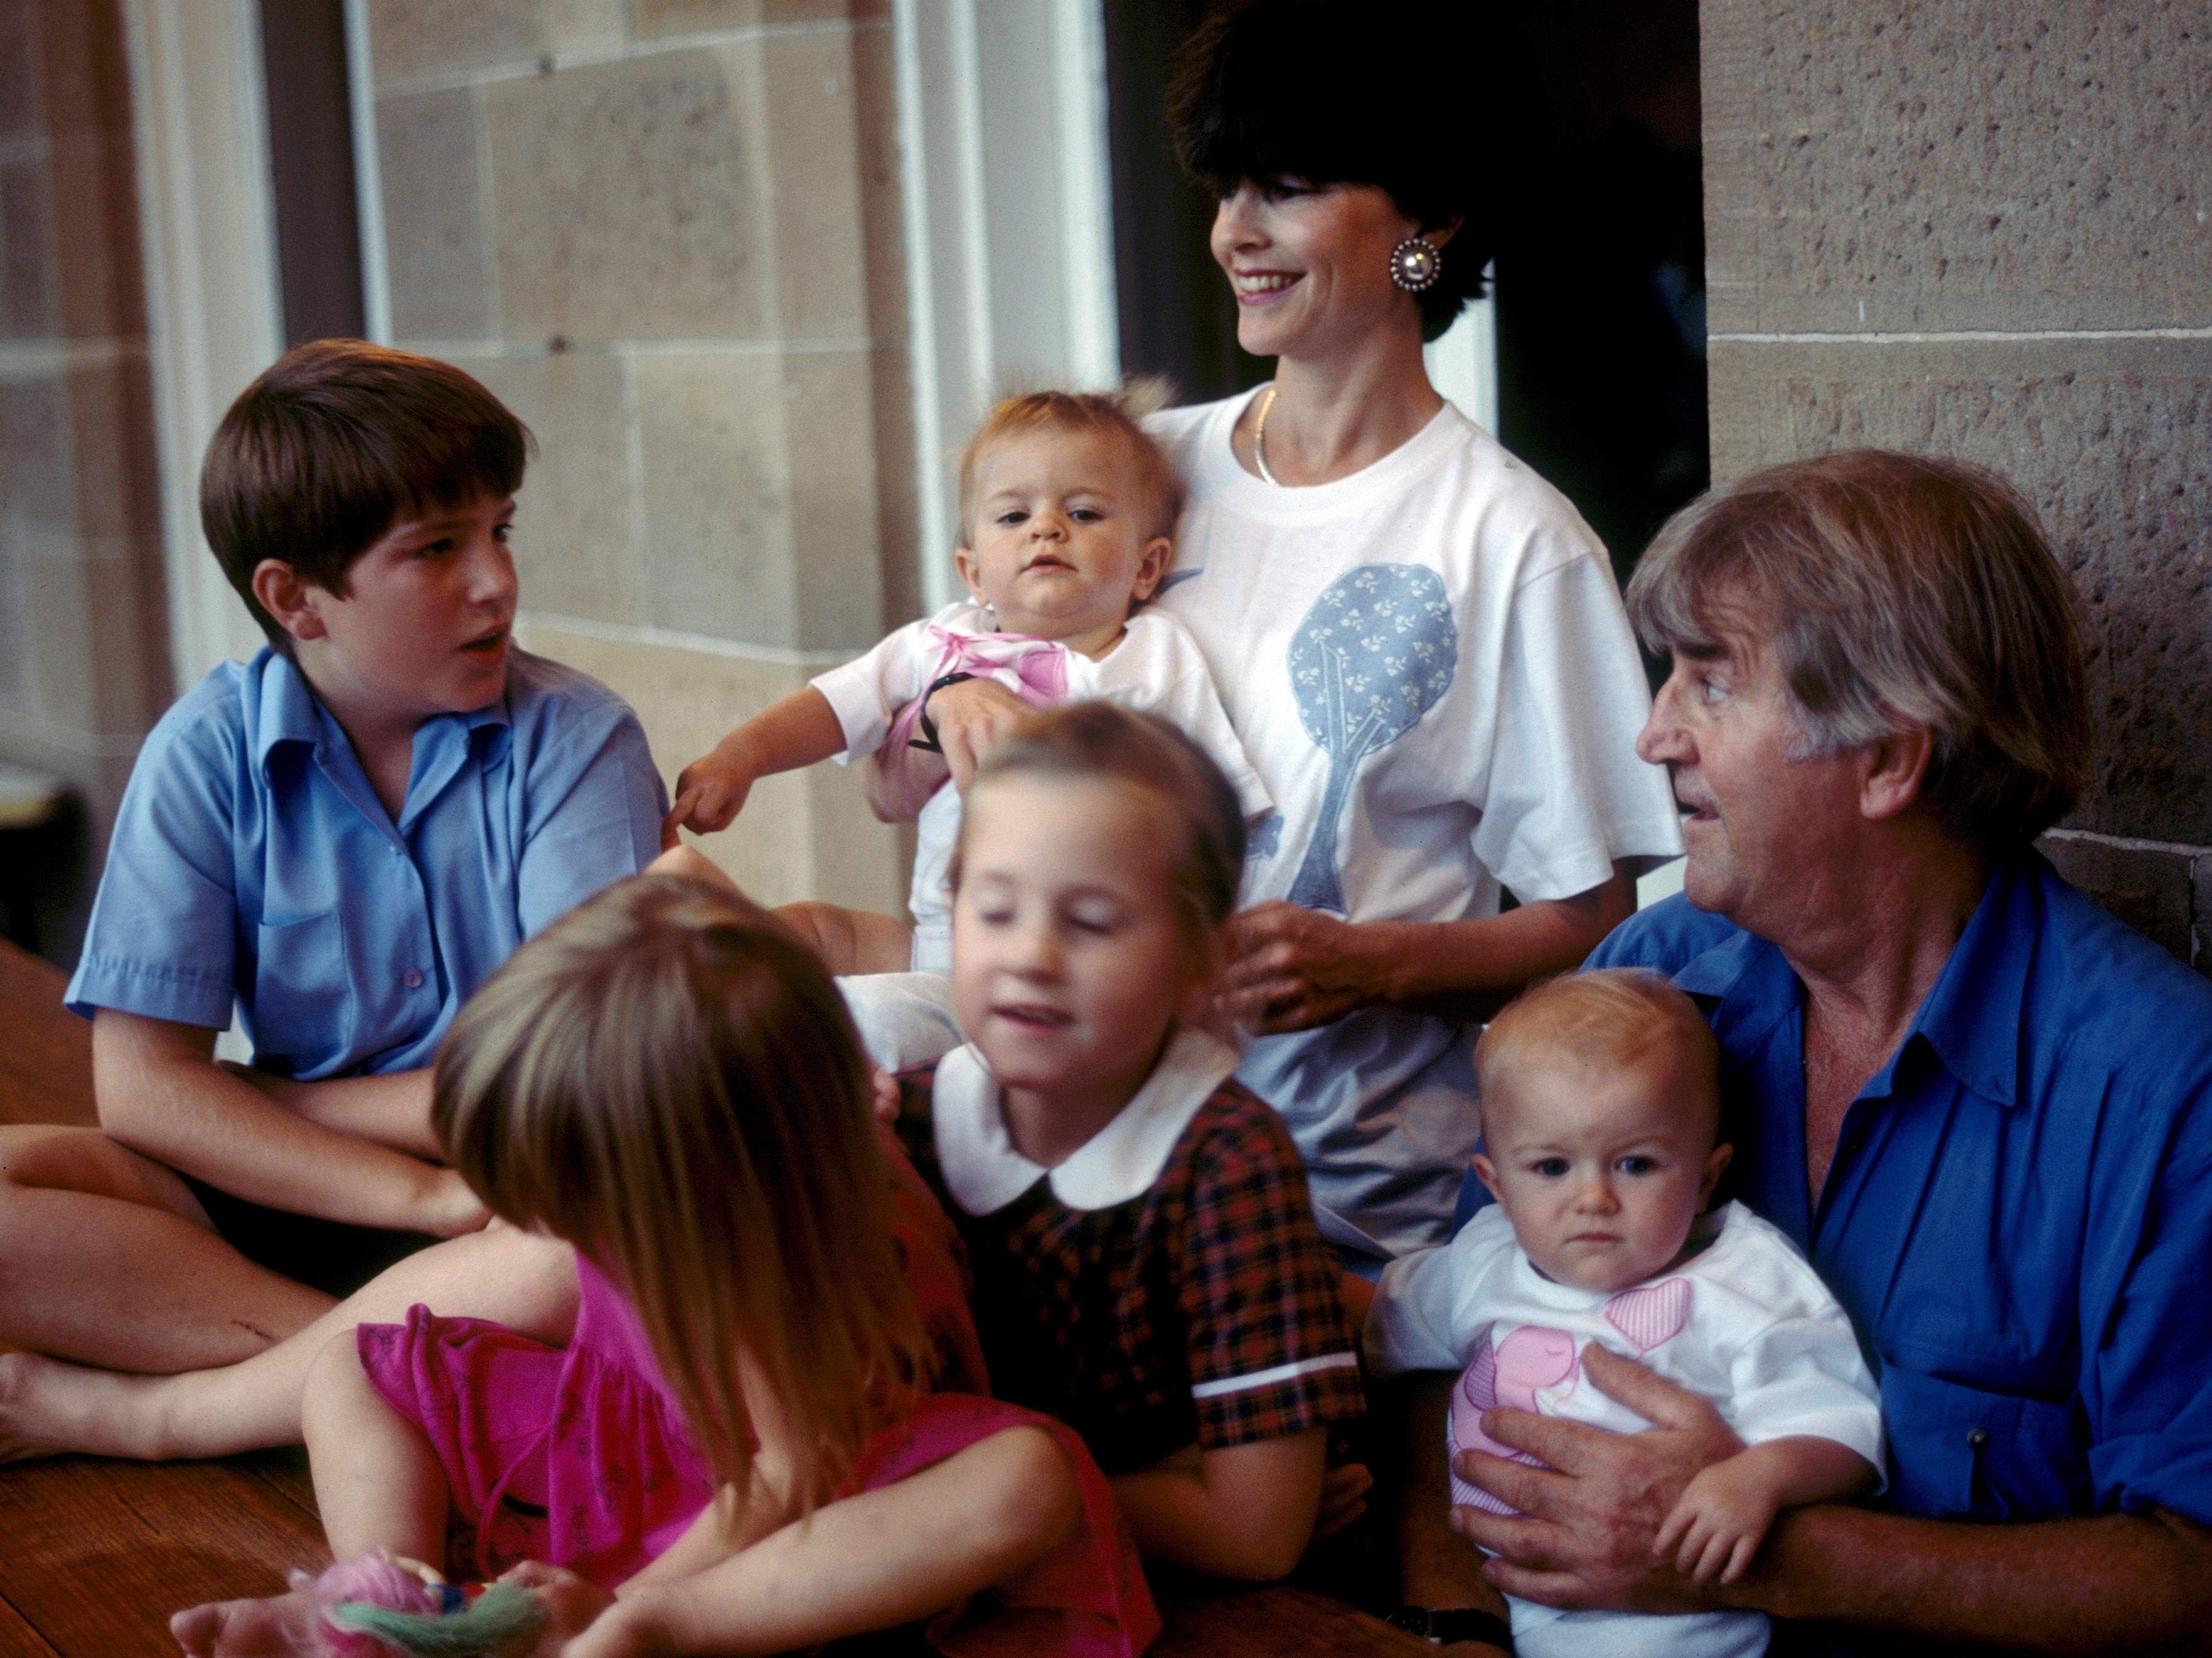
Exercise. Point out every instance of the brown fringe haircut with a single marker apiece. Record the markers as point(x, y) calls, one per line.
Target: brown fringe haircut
point(335, 442)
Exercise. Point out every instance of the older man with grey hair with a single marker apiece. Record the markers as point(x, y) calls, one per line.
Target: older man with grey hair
point(1980, 1105)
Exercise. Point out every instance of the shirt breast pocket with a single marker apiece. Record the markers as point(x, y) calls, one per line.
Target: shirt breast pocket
point(303, 1013)
point(1961, 1452)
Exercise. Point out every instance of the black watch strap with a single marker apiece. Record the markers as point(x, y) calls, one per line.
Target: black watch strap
point(928, 738)
point(1446, 1625)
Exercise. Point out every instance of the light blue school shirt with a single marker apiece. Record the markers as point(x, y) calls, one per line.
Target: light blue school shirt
point(2019, 1216)
point(253, 861)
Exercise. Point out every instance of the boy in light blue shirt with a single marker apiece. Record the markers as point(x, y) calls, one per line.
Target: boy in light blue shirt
point(342, 837)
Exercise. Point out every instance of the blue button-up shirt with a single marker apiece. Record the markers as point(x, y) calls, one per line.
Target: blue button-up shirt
point(252, 861)
point(2019, 1215)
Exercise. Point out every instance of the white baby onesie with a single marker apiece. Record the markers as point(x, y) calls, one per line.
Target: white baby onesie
point(1155, 667)
point(1745, 1323)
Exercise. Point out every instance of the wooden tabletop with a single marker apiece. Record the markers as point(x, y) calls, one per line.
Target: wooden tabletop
point(95, 1554)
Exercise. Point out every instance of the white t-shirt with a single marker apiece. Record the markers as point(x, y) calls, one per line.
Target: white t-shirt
point(1155, 667)
point(1430, 667)
point(1745, 1323)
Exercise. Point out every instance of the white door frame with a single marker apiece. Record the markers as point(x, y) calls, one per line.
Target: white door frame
point(1009, 235)
point(208, 236)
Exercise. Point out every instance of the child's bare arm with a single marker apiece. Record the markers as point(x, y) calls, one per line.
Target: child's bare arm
point(850, 940)
point(159, 1091)
point(392, 1109)
point(1245, 1511)
point(797, 731)
point(1723, 1513)
point(983, 1516)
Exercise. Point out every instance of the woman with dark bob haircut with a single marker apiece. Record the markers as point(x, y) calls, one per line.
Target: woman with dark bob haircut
point(1419, 640)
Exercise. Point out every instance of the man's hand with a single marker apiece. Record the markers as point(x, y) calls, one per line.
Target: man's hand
point(1292, 969)
point(1589, 1522)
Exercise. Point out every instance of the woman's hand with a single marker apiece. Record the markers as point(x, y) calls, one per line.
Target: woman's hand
point(1292, 969)
point(971, 718)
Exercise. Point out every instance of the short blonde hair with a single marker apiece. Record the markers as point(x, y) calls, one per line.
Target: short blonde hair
point(1895, 588)
point(1611, 1017)
point(1117, 414)
point(667, 1079)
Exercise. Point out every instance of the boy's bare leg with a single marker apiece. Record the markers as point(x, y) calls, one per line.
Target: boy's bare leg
point(851, 940)
point(107, 1258)
point(518, 1278)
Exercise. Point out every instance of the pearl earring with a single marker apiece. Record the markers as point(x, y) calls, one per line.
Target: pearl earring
point(1415, 264)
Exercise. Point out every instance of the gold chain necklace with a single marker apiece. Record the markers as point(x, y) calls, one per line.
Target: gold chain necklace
point(1260, 440)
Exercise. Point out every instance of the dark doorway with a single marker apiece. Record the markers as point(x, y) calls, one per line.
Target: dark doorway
point(1601, 268)
point(303, 56)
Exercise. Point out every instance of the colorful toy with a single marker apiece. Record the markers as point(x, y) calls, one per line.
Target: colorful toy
point(378, 1605)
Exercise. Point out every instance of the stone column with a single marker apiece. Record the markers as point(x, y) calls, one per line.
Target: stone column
point(84, 659)
point(667, 232)
point(1981, 230)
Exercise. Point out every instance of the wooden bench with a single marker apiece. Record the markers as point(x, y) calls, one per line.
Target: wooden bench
point(94, 1555)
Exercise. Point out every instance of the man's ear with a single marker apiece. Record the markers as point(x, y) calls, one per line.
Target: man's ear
point(294, 601)
point(1896, 765)
point(964, 562)
point(1711, 1177)
point(1159, 555)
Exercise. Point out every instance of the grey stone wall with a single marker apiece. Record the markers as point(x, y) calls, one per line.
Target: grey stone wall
point(668, 233)
point(84, 659)
point(1979, 227)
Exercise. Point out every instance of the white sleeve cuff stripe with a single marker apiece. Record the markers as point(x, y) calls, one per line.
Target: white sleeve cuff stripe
point(1237, 1384)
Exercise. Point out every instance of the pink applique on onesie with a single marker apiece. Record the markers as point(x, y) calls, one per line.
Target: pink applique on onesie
point(1535, 1364)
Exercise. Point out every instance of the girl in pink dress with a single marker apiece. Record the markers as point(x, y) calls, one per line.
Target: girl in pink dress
point(727, 1452)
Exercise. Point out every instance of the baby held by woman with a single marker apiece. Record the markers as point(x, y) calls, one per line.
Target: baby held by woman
point(1601, 1114)
point(1066, 511)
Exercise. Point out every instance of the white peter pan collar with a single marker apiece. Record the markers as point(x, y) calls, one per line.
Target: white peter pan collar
point(984, 1172)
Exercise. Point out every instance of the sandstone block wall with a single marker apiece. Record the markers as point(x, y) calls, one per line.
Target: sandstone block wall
point(1982, 230)
point(84, 659)
point(667, 232)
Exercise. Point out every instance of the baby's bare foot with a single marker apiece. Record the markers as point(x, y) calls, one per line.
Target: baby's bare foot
point(282, 1626)
point(48, 1408)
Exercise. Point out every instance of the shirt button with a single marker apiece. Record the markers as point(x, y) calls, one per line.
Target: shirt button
point(1978, 1437)
point(411, 979)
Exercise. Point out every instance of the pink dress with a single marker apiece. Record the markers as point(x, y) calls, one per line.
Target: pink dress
point(578, 1456)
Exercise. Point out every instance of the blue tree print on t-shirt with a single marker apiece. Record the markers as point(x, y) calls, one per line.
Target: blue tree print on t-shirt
point(1372, 656)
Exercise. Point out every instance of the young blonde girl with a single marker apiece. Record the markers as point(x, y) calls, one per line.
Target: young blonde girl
point(1147, 1265)
point(668, 1082)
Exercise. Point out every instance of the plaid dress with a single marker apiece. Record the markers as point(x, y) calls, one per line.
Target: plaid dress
point(1166, 1286)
